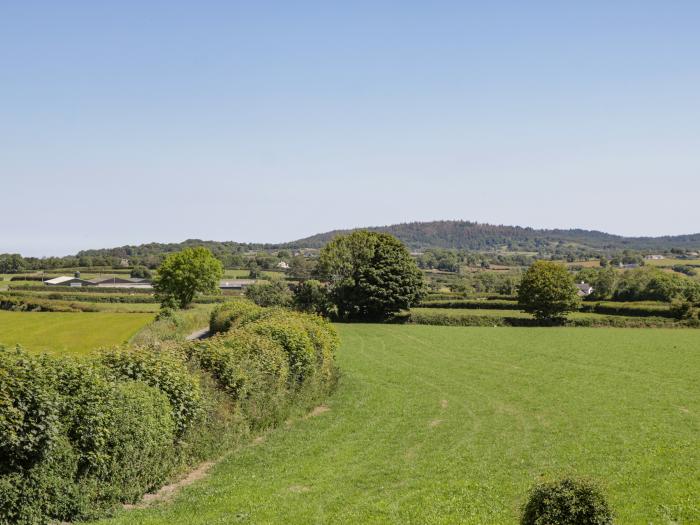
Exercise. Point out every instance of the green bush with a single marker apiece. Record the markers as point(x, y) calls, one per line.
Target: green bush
point(566, 502)
point(229, 314)
point(252, 370)
point(29, 410)
point(292, 335)
point(163, 368)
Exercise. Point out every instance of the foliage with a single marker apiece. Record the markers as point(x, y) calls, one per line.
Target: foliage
point(567, 501)
point(312, 297)
point(547, 291)
point(273, 293)
point(371, 275)
point(186, 273)
point(140, 272)
point(164, 369)
point(233, 313)
point(29, 411)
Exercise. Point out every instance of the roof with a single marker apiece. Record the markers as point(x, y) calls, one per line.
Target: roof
point(59, 280)
point(584, 287)
point(235, 283)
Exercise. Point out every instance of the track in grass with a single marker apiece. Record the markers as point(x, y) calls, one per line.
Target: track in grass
point(453, 425)
point(68, 333)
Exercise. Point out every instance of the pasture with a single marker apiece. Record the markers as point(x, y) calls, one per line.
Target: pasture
point(441, 425)
point(68, 333)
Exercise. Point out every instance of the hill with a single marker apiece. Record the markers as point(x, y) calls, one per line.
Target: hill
point(475, 236)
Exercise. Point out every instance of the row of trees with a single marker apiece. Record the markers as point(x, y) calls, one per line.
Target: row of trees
point(367, 275)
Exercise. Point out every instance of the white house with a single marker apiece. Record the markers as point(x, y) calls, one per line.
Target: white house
point(283, 265)
point(584, 289)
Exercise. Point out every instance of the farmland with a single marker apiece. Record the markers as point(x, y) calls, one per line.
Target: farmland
point(453, 425)
point(68, 333)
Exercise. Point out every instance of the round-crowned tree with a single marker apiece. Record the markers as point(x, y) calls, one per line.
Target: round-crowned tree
point(568, 501)
point(186, 273)
point(548, 292)
point(371, 275)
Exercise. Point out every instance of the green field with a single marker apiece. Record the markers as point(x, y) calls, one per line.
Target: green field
point(453, 425)
point(69, 333)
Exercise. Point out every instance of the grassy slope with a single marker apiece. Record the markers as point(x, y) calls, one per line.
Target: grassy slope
point(68, 333)
point(452, 425)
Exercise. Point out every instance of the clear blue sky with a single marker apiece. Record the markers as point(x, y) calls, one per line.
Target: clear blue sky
point(128, 122)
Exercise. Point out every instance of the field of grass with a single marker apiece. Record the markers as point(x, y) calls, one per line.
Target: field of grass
point(441, 425)
point(69, 333)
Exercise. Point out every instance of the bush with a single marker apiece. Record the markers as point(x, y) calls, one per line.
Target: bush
point(251, 370)
point(230, 314)
point(163, 368)
point(274, 293)
point(312, 297)
point(566, 502)
point(29, 410)
point(291, 334)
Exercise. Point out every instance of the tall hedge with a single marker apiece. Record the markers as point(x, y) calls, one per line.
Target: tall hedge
point(78, 437)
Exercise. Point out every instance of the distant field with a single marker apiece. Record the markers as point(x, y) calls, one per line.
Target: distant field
point(457, 312)
point(672, 262)
point(441, 425)
point(68, 333)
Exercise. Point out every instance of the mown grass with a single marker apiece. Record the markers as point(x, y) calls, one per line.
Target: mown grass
point(68, 333)
point(453, 425)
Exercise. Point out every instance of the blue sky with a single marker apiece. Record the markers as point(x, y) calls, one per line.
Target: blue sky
point(128, 122)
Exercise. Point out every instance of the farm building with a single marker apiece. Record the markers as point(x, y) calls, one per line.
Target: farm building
point(584, 289)
point(121, 282)
point(654, 257)
point(235, 284)
point(64, 280)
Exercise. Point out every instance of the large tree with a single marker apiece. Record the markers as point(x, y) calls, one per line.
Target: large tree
point(371, 275)
point(547, 291)
point(186, 273)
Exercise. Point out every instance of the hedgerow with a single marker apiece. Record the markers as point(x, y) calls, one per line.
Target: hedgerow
point(78, 437)
point(163, 369)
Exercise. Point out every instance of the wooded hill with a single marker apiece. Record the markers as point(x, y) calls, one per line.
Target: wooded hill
point(464, 235)
point(475, 236)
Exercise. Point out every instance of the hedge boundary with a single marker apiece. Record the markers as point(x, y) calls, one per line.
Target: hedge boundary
point(80, 437)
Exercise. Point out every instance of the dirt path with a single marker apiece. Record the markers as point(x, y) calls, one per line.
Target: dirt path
point(199, 334)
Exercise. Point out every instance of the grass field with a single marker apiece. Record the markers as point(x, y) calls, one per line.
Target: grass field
point(453, 425)
point(68, 333)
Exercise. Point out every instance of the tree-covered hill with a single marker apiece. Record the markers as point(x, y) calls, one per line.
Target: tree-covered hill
point(475, 236)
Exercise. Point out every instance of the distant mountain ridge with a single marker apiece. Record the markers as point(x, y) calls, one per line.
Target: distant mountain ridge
point(469, 235)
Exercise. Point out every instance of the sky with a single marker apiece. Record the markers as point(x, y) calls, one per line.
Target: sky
point(129, 122)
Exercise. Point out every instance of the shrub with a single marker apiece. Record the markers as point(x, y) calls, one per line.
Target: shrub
point(224, 317)
point(274, 293)
point(291, 334)
point(242, 361)
point(252, 370)
point(29, 410)
point(312, 297)
point(163, 368)
point(567, 501)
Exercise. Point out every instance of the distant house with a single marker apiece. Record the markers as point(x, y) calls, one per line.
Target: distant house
point(584, 289)
point(124, 263)
point(283, 265)
point(64, 280)
point(628, 266)
point(235, 284)
point(654, 257)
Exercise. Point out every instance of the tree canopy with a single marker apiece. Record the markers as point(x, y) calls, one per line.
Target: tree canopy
point(371, 275)
point(547, 291)
point(184, 274)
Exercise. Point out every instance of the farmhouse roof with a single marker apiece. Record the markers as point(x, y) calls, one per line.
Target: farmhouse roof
point(59, 280)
